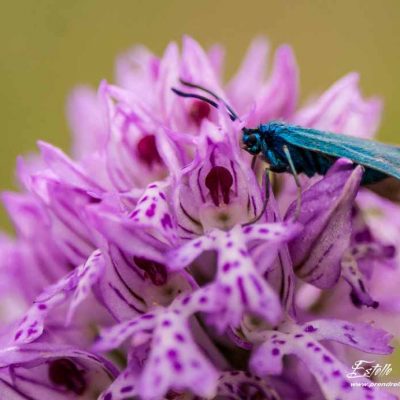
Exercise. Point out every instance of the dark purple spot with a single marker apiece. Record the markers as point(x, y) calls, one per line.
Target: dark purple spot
point(64, 372)
point(310, 329)
point(226, 267)
point(31, 331)
point(310, 344)
point(151, 210)
point(199, 111)
point(263, 230)
point(203, 300)
point(177, 366)
point(336, 373)
point(172, 353)
point(166, 221)
point(327, 359)
point(367, 388)
point(351, 338)
point(108, 396)
point(317, 349)
point(227, 290)
point(179, 337)
point(166, 323)
point(42, 306)
point(17, 335)
point(298, 335)
point(126, 389)
point(275, 352)
point(155, 271)
point(348, 327)
point(219, 182)
point(147, 150)
point(162, 195)
point(346, 385)
point(186, 300)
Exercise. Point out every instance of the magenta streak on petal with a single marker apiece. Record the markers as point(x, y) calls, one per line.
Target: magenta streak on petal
point(243, 294)
point(198, 111)
point(186, 230)
point(235, 180)
point(130, 265)
point(19, 392)
point(147, 151)
point(136, 296)
point(66, 222)
point(122, 297)
point(18, 376)
point(200, 186)
point(189, 216)
point(219, 181)
point(253, 202)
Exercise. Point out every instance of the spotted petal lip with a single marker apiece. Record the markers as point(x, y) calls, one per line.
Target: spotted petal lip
point(143, 247)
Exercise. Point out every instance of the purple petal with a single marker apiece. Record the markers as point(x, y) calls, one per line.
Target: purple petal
point(188, 252)
point(176, 362)
point(353, 276)
point(248, 80)
point(238, 385)
point(45, 370)
point(113, 337)
point(119, 229)
point(361, 336)
point(86, 121)
point(244, 287)
point(342, 109)
point(66, 169)
point(278, 98)
point(327, 370)
point(325, 214)
point(153, 211)
point(77, 282)
point(196, 66)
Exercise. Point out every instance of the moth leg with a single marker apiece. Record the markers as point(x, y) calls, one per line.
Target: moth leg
point(253, 163)
point(264, 207)
point(296, 179)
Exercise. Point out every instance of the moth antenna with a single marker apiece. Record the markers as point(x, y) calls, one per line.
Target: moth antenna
point(296, 180)
point(180, 93)
point(211, 93)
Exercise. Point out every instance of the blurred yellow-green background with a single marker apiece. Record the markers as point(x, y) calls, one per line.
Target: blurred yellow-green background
point(48, 46)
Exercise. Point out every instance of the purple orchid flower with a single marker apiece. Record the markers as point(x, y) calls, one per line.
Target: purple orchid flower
point(145, 265)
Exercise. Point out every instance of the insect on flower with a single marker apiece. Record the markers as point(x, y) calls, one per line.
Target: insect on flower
point(295, 149)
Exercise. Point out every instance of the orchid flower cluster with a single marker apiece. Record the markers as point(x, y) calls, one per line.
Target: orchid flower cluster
point(146, 266)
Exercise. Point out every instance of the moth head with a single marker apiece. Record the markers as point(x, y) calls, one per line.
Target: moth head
point(251, 141)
